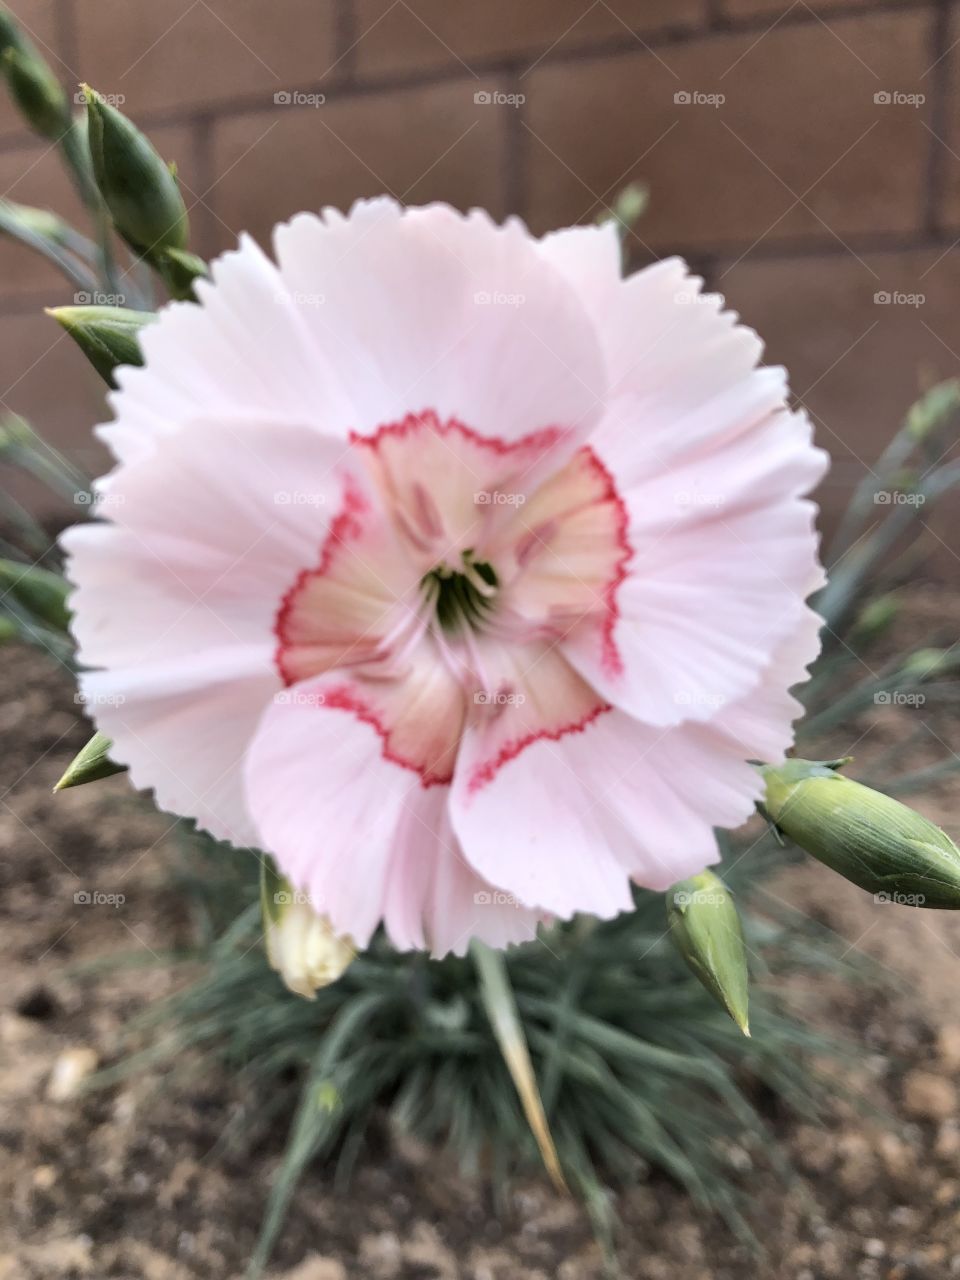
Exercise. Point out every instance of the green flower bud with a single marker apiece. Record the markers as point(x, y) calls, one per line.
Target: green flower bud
point(179, 269)
point(933, 409)
point(37, 92)
point(924, 664)
point(39, 222)
point(705, 928)
point(107, 336)
point(40, 592)
point(876, 617)
point(867, 837)
point(90, 764)
point(137, 187)
point(15, 432)
point(11, 37)
point(301, 945)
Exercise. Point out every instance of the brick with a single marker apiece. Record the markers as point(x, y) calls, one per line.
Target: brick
point(38, 18)
point(45, 378)
point(735, 9)
point(799, 119)
point(185, 53)
point(948, 143)
point(438, 145)
point(857, 365)
point(35, 175)
point(397, 36)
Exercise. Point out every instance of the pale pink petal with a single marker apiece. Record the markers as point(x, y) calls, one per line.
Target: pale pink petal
point(567, 823)
point(761, 724)
point(665, 343)
point(182, 726)
point(435, 900)
point(327, 803)
point(202, 540)
point(177, 597)
point(724, 549)
point(243, 351)
point(428, 309)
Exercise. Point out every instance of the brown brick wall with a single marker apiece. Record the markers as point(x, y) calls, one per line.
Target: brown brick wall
point(800, 195)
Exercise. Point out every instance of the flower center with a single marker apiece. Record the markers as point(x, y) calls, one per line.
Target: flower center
point(461, 598)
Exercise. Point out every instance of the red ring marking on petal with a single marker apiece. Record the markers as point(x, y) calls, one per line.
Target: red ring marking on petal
point(344, 698)
point(485, 773)
point(345, 525)
point(610, 654)
point(545, 438)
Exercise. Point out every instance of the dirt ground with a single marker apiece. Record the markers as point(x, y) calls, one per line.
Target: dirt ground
point(130, 1182)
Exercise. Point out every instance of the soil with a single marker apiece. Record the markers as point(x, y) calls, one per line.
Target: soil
point(130, 1182)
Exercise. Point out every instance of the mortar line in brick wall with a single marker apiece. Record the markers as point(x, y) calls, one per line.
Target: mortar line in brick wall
point(67, 37)
point(345, 38)
point(515, 195)
point(877, 243)
point(202, 139)
point(711, 257)
point(705, 260)
point(939, 106)
point(344, 87)
point(716, 15)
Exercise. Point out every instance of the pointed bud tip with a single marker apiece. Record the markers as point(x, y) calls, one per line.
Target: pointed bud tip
point(869, 838)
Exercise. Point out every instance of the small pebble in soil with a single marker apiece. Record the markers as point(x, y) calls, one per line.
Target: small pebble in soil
point(69, 1072)
point(929, 1096)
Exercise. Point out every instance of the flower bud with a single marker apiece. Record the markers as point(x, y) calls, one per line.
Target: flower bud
point(301, 945)
point(933, 409)
point(137, 187)
point(40, 592)
point(924, 664)
point(705, 928)
point(179, 269)
point(11, 37)
point(38, 222)
point(876, 617)
point(35, 89)
point(90, 764)
point(867, 837)
point(107, 336)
